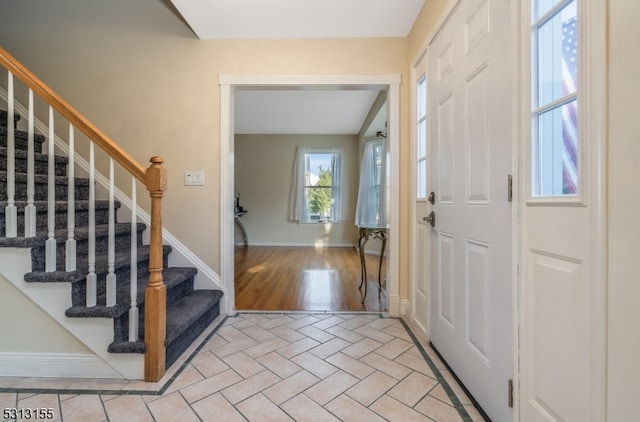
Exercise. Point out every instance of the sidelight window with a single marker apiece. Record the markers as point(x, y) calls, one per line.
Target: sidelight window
point(421, 139)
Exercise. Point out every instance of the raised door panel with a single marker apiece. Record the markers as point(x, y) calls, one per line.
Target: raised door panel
point(447, 279)
point(478, 298)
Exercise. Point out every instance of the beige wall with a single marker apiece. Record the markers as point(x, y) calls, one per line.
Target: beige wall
point(624, 208)
point(31, 330)
point(138, 72)
point(263, 171)
point(422, 27)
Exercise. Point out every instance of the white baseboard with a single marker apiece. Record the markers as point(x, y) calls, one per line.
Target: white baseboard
point(304, 245)
point(405, 307)
point(394, 306)
point(63, 365)
point(372, 252)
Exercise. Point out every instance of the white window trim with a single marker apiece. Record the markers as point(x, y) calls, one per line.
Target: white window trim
point(585, 40)
point(298, 211)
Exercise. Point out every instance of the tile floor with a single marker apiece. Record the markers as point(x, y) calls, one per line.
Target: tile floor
point(270, 367)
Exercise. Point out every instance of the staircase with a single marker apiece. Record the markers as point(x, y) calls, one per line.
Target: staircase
point(188, 311)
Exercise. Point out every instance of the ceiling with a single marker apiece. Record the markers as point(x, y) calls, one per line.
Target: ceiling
point(291, 111)
point(251, 19)
point(334, 112)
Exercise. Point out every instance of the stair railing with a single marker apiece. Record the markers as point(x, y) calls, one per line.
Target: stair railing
point(154, 178)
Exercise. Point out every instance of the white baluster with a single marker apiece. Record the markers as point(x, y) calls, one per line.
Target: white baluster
point(70, 252)
point(111, 277)
point(50, 246)
point(92, 281)
point(11, 212)
point(30, 209)
point(133, 310)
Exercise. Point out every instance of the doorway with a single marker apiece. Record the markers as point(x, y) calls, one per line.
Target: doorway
point(229, 84)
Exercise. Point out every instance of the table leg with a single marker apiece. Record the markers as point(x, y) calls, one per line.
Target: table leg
point(244, 232)
point(362, 241)
point(384, 243)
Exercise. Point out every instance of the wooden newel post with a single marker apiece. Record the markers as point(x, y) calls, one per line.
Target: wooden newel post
point(155, 319)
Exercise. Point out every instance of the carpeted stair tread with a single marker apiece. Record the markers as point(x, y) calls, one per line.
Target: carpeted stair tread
point(40, 162)
point(80, 234)
point(182, 314)
point(43, 179)
point(98, 311)
point(60, 214)
point(37, 156)
point(3, 118)
point(21, 140)
point(81, 204)
point(102, 230)
point(127, 347)
point(122, 259)
point(172, 276)
point(21, 242)
point(41, 184)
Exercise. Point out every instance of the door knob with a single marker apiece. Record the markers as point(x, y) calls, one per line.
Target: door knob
point(431, 219)
point(432, 198)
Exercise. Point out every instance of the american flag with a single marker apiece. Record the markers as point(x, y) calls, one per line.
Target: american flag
point(569, 111)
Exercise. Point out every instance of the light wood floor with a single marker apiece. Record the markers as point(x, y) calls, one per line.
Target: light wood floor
point(305, 279)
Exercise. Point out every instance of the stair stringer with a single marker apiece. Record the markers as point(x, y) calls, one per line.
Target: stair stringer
point(181, 255)
point(95, 333)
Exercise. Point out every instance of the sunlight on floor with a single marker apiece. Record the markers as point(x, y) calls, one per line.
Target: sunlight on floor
point(256, 269)
point(320, 284)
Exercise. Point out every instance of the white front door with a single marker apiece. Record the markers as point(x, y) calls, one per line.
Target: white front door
point(470, 104)
point(421, 232)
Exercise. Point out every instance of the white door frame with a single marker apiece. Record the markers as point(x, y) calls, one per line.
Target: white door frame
point(228, 83)
point(413, 255)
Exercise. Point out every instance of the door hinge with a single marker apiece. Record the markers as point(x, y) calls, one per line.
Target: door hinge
point(510, 393)
point(509, 188)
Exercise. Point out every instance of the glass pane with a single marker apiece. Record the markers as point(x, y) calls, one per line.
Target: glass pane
point(377, 162)
point(422, 139)
point(319, 203)
point(422, 97)
point(421, 183)
point(542, 6)
point(377, 204)
point(556, 152)
point(557, 56)
point(318, 169)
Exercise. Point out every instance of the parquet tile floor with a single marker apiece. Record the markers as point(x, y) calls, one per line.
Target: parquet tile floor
point(280, 366)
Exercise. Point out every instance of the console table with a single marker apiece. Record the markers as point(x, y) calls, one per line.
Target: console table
point(365, 233)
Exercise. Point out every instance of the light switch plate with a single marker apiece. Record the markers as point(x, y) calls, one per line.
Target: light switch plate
point(194, 178)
